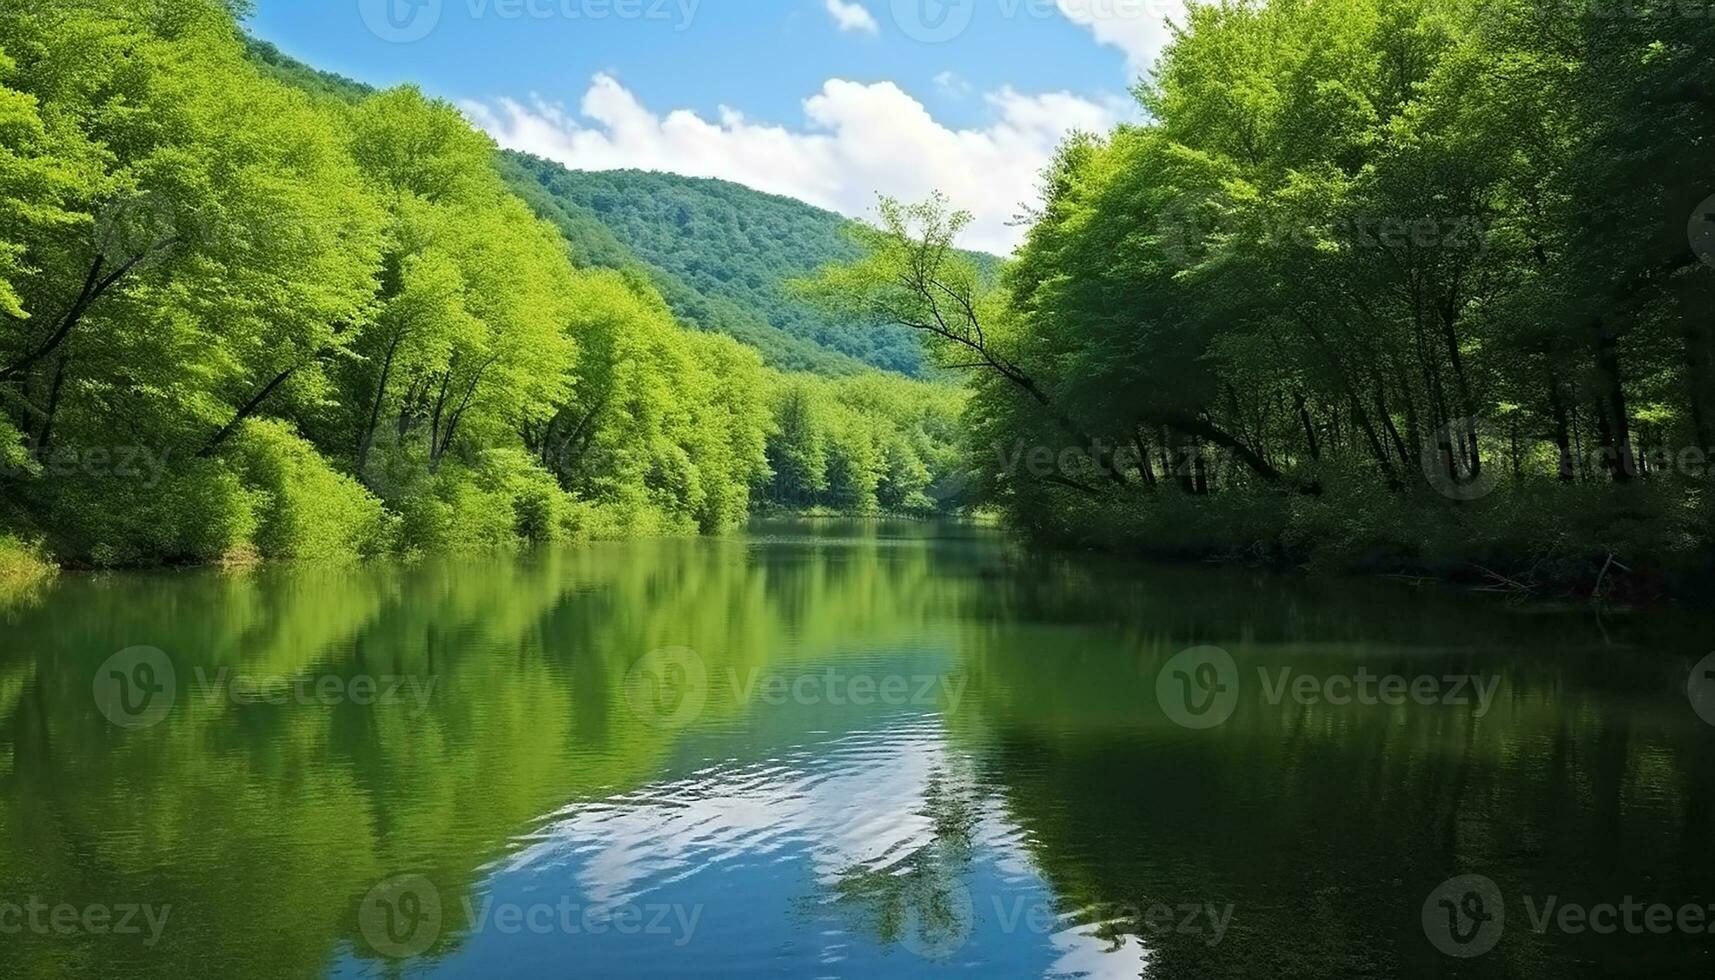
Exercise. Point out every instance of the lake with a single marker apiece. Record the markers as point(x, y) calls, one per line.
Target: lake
point(844, 750)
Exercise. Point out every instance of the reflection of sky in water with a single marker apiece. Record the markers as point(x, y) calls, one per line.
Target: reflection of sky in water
point(763, 847)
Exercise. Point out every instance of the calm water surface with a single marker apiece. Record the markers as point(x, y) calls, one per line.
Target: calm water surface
point(835, 751)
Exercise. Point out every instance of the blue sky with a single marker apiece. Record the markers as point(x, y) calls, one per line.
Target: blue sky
point(831, 101)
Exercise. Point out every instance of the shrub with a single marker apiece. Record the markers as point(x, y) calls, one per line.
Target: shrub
point(306, 510)
point(22, 563)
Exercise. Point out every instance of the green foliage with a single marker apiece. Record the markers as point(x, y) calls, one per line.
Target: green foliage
point(1377, 285)
point(251, 310)
point(305, 509)
point(864, 444)
point(21, 563)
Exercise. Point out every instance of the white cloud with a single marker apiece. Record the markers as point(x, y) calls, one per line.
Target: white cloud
point(853, 17)
point(954, 84)
point(1137, 27)
point(859, 140)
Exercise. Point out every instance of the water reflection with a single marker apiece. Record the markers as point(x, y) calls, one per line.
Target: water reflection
point(911, 751)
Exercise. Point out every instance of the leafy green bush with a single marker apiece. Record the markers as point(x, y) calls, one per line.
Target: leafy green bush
point(22, 562)
point(201, 513)
point(305, 509)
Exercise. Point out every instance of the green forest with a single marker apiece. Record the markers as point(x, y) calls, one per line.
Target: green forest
point(257, 312)
point(1412, 286)
point(1392, 285)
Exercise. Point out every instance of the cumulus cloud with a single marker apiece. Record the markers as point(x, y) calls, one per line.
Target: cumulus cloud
point(857, 140)
point(853, 17)
point(1136, 27)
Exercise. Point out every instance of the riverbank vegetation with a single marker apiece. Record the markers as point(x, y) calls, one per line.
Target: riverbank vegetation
point(250, 319)
point(1400, 286)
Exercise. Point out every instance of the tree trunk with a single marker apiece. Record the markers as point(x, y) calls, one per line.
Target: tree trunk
point(1700, 376)
point(1624, 466)
point(367, 441)
point(246, 412)
point(44, 441)
point(1562, 428)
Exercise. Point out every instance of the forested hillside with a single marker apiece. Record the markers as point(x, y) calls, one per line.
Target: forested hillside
point(254, 311)
point(731, 250)
point(720, 253)
point(541, 184)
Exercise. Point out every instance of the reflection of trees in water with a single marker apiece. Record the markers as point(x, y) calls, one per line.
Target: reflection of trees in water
point(1328, 826)
point(919, 900)
point(1325, 828)
point(528, 655)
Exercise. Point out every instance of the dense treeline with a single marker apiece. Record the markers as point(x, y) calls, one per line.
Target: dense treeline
point(868, 443)
point(1382, 282)
point(244, 317)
